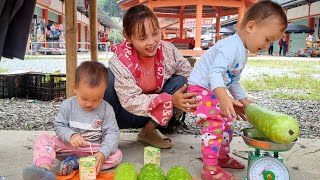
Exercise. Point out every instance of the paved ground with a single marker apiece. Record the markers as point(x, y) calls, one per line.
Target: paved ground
point(302, 160)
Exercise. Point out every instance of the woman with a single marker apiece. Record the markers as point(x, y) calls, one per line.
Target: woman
point(147, 78)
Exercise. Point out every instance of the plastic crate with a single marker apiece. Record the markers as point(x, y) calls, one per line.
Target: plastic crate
point(46, 86)
point(12, 85)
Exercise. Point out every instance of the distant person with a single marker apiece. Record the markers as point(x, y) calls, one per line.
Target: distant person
point(108, 45)
point(217, 72)
point(280, 45)
point(285, 46)
point(83, 118)
point(147, 79)
point(270, 51)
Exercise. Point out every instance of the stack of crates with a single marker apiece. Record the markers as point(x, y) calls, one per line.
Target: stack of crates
point(46, 86)
point(12, 85)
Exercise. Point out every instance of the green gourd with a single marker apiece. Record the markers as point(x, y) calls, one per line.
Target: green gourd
point(278, 127)
point(178, 173)
point(126, 171)
point(151, 172)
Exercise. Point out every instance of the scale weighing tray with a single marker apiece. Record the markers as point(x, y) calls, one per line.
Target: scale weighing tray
point(257, 140)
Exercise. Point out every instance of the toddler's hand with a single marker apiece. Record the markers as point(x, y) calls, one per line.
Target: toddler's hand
point(227, 104)
point(77, 140)
point(100, 160)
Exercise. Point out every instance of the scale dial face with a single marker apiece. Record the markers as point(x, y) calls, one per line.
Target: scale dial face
point(268, 168)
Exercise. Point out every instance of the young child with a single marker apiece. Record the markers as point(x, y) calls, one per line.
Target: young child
point(83, 118)
point(217, 71)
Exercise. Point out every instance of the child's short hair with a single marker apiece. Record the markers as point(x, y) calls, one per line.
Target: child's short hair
point(265, 10)
point(135, 17)
point(91, 73)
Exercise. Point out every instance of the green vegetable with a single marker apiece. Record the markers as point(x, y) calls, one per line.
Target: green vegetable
point(178, 173)
point(126, 171)
point(278, 127)
point(151, 172)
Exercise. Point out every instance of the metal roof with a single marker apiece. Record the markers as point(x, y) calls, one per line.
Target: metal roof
point(289, 4)
point(103, 18)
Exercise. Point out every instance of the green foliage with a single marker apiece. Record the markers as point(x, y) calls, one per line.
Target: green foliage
point(115, 36)
point(283, 64)
point(310, 95)
point(274, 82)
point(2, 70)
point(310, 86)
point(110, 7)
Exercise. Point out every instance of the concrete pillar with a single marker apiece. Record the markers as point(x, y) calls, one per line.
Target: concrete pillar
point(45, 15)
point(86, 29)
point(198, 26)
point(241, 12)
point(287, 38)
point(79, 34)
point(60, 19)
point(217, 27)
point(311, 23)
point(181, 27)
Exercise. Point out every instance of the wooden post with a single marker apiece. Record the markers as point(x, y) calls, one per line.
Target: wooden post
point(71, 44)
point(93, 30)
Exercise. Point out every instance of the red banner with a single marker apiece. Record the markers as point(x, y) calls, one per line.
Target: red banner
point(44, 2)
point(205, 22)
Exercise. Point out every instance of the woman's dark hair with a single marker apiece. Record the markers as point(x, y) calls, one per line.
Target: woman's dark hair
point(135, 17)
point(263, 11)
point(91, 73)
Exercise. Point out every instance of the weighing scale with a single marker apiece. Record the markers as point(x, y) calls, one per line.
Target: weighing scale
point(265, 163)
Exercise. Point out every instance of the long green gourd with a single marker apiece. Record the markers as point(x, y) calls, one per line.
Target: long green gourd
point(126, 171)
point(278, 127)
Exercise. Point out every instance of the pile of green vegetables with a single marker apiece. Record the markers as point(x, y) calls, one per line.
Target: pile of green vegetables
point(127, 171)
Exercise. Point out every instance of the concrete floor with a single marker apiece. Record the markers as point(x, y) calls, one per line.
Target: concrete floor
point(302, 160)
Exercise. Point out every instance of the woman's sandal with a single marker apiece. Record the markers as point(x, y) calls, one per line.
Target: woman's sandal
point(72, 164)
point(230, 162)
point(218, 174)
point(156, 139)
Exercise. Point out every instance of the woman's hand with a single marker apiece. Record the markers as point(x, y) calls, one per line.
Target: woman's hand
point(185, 101)
point(240, 112)
point(99, 161)
point(77, 140)
point(246, 101)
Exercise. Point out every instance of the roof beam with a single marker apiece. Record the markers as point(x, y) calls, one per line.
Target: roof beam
point(128, 4)
point(181, 10)
point(223, 3)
